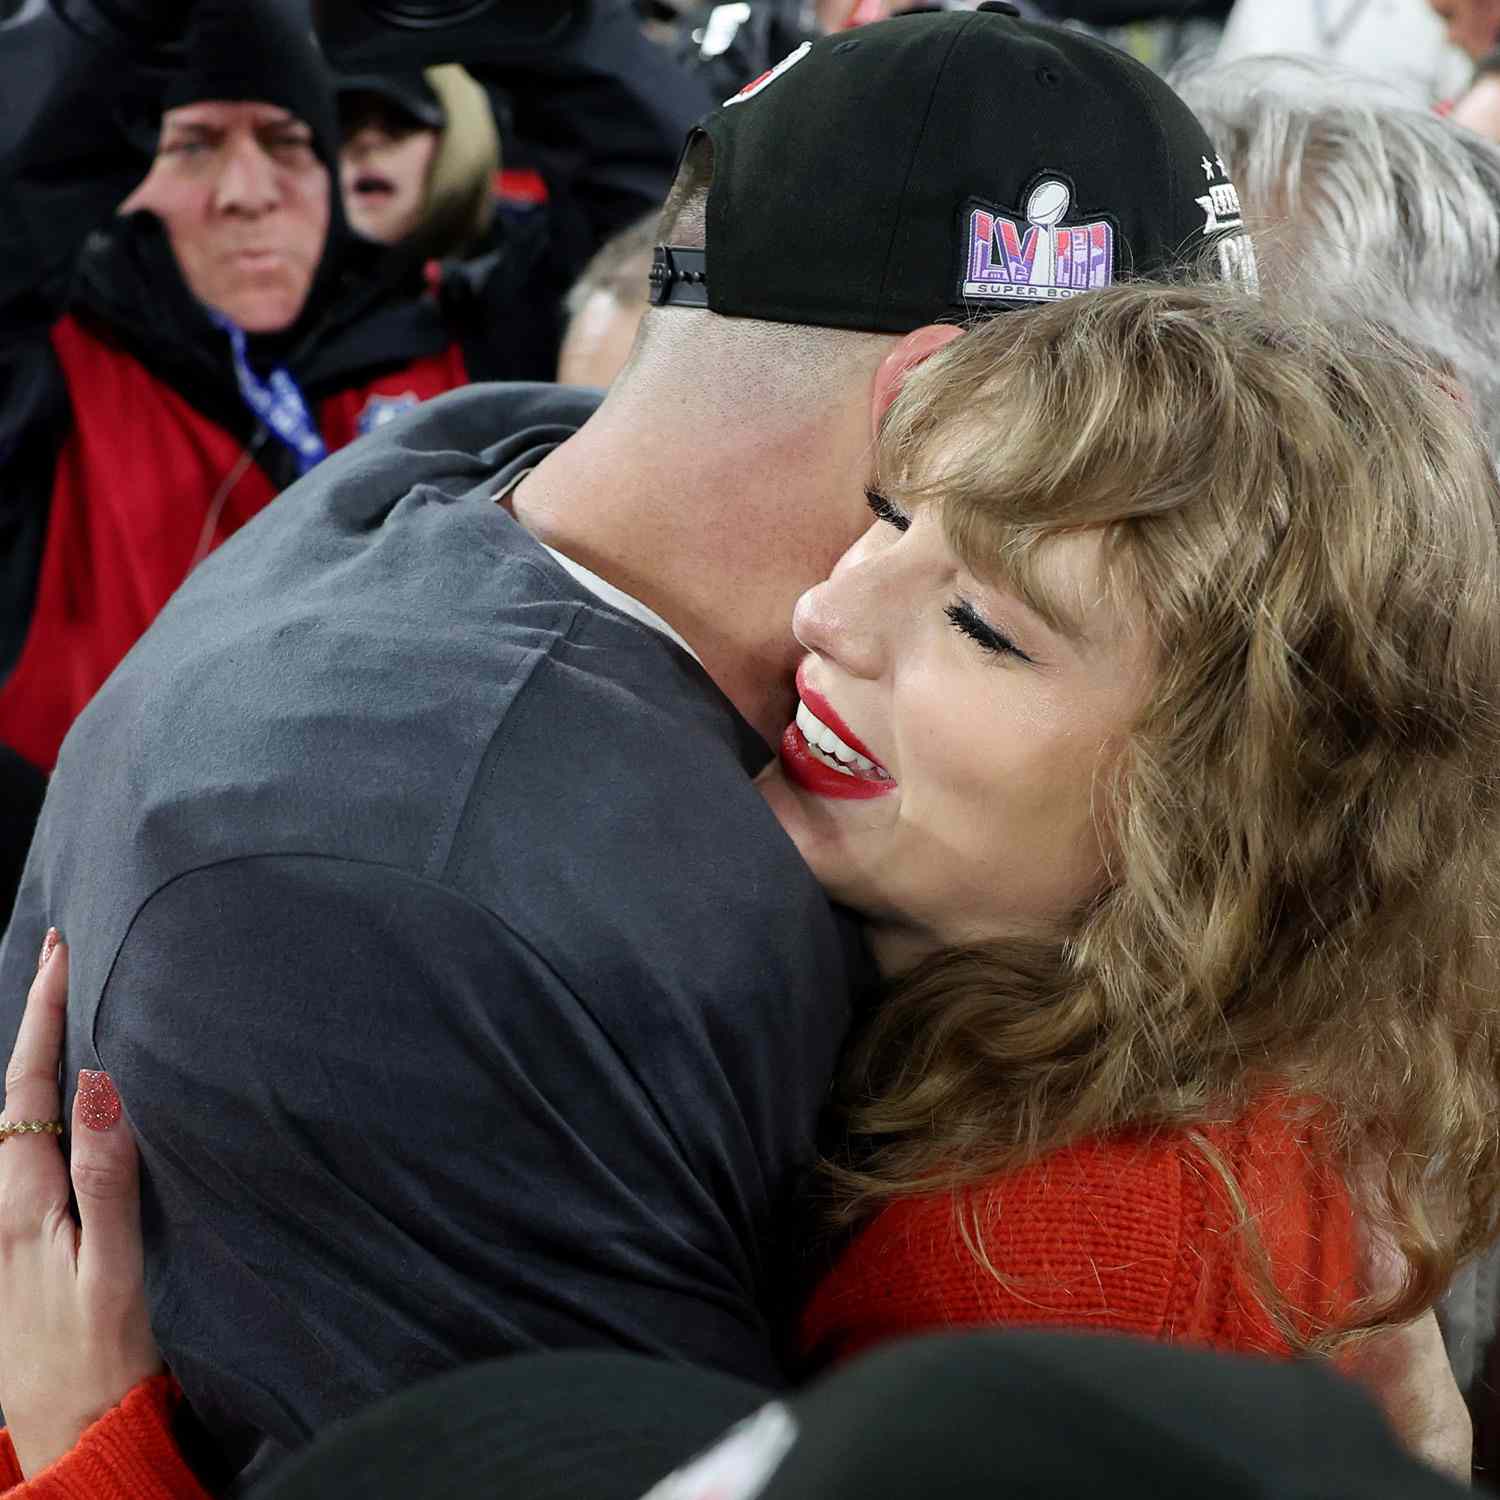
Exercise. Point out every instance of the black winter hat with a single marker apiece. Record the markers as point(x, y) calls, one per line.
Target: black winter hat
point(938, 166)
point(263, 51)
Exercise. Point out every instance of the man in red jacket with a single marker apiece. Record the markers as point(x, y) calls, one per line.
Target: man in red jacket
point(179, 349)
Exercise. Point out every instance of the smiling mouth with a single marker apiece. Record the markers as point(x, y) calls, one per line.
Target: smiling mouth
point(822, 762)
point(832, 751)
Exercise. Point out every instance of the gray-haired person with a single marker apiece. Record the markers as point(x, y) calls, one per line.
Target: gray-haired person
point(1353, 194)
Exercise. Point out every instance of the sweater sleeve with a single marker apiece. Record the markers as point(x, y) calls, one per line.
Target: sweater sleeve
point(1134, 1234)
point(128, 1454)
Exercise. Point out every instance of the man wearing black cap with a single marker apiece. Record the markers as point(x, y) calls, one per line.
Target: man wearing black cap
point(167, 370)
point(461, 991)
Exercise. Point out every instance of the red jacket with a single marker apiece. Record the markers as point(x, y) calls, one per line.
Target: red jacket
point(144, 486)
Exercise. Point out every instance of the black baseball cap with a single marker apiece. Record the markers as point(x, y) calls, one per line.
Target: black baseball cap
point(938, 166)
point(409, 91)
point(1026, 1415)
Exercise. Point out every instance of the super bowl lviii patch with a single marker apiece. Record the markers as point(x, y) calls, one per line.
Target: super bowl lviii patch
point(1032, 256)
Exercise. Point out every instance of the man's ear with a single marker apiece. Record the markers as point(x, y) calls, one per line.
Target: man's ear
point(919, 344)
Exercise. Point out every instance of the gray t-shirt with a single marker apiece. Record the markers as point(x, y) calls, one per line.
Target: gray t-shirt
point(462, 992)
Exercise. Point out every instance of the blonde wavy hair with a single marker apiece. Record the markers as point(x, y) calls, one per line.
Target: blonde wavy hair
point(1305, 829)
point(460, 204)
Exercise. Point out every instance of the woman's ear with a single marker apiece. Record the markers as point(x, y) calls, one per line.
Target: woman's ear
point(919, 344)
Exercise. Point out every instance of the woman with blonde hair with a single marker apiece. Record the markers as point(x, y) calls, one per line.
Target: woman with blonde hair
point(1152, 729)
point(1158, 1056)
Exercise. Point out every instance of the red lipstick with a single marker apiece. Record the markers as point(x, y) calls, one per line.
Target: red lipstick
point(803, 767)
point(823, 710)
point(810, 770)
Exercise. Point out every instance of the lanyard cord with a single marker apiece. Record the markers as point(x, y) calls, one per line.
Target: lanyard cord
point(221, 497)
point(277, 400)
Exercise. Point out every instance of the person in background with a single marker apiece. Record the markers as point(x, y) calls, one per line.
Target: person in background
point(1473, 25)
point(182, 345)
point(418, 161)
point(605, 305)
point(1399, 42)
point(1355, 196)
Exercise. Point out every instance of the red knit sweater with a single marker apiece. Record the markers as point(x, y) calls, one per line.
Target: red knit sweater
point(1133, 1234)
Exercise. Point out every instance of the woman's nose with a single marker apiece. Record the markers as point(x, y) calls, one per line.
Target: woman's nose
point(840, 619)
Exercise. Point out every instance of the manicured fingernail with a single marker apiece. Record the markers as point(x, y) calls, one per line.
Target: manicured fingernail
point(49, 947)
point(98, 1103)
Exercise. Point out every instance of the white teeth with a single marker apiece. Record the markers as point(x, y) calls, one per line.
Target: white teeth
point(821, 737)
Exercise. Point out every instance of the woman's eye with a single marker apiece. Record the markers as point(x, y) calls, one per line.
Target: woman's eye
point(883, 510)
point(968, 621)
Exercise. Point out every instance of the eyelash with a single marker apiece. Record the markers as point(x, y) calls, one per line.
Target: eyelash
point(968, 621)
point(883, 510)
point(965, 618)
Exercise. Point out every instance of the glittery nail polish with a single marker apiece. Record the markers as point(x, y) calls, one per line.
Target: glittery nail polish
point(49, 947)
point(98, 1103)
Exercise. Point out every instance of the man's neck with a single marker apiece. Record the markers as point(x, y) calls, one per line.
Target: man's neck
point(656, 527)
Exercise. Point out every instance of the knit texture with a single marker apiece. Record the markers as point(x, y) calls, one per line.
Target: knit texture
point(1134, 1233)
point(128, 1454)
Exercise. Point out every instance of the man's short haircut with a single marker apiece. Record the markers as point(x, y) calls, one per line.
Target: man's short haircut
point(777, 367)
point(684, 216)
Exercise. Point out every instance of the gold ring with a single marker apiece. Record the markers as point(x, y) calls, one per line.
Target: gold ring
point(9, 1128)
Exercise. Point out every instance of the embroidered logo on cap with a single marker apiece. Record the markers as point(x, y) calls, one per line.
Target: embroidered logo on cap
point(1222, 219)
point(1033, 256)
point(1221, 203)
point(379, 410)
point(770, 76)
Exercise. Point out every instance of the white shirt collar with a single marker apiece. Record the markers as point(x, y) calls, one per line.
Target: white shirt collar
point(601, 588)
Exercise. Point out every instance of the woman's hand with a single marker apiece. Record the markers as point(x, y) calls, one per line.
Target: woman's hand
point(74, 1333)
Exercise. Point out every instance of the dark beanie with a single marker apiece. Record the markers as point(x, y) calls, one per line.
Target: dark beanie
point(263, 51)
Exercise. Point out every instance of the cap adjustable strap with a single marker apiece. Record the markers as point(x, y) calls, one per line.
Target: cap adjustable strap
point(679, 277)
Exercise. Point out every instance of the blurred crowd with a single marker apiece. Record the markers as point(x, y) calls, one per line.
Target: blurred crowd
point(247, 275)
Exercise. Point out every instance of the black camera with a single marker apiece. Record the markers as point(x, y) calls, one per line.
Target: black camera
point(376, 34)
